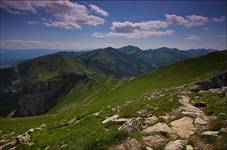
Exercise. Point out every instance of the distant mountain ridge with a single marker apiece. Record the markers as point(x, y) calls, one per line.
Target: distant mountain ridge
point(11, 57)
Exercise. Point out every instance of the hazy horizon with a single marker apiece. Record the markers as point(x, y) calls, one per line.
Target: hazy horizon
point(88, 25)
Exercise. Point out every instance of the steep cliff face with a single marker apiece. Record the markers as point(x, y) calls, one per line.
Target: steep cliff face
point(37, 98)
point(32, 88)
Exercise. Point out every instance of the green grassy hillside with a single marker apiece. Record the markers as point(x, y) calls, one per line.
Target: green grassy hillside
point(90, 97)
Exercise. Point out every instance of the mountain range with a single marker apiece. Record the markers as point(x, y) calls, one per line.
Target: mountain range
point(11, 57)
point(44, 79)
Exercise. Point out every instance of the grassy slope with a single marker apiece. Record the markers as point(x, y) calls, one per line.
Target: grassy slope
point(90, 131)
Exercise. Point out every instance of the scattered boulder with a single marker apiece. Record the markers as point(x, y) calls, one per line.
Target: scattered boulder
point(43, 125)
point(183, 126)
point(121, 121)
point(176, 145)
point(110, 119)
point(23, 139)
point(64, 146)
point(223, 130)
point(211, 133)
point(154, 141)
point(128, 144)
point(134, 124)
point(72, 121)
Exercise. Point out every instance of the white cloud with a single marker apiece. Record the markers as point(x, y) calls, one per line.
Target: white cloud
point(188, 21)
point(136, 30)
point(193, 37)
point(218, 20)
point(134, 35)
point(98, 10)
point(66, 14)
point(129, 27)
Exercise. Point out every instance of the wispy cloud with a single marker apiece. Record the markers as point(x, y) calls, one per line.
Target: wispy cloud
point(98, 10)
point(66, 14)
point(58, 45)
point(188, 21)
point(219, 20)
point(193, 37)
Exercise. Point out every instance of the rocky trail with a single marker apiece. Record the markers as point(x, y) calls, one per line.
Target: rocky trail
point(177, 131)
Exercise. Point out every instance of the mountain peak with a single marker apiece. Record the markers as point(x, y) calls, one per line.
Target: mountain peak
point(130, 49)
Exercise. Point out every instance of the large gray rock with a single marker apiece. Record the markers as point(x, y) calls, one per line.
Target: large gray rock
point(154, 141)
point(176, 145)
point(128, 144)
point(161, 127)
point(183, 126)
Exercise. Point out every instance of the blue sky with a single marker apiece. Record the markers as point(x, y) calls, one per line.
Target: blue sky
point(97, 24)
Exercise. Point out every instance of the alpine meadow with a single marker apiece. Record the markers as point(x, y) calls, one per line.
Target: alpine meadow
point(113, 75)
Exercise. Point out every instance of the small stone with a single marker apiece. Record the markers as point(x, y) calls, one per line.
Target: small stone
point(97, 113)
point(189, 147)
point(30, 144)
point(72, 121)
point(224, 130)
point(64, 145)
point(116, 109)
point(43, 125)
point(110, 119)
point(149, 148)
point(211, 133)
point(47, 148)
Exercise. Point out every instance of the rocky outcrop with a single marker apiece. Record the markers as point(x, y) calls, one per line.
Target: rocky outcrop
point(213, 83)
point(134, 124)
